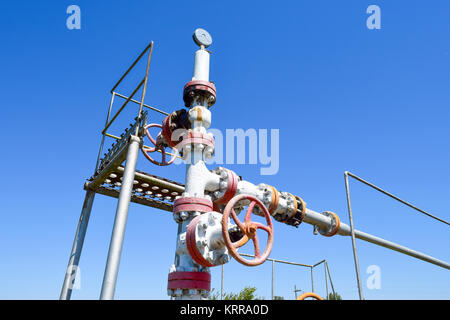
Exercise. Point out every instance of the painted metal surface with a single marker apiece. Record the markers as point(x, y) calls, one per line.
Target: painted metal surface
point(118, 233)
point(248, 229)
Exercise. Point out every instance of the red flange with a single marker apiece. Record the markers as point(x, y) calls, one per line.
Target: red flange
point(232, 185)
point(199, 87)
point(274, 201)
point(191, 243)
point(192, 204)
point(192, 137)
point(189, 280)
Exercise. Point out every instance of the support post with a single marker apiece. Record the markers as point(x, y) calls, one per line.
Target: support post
point(352, 234)
point(273, 271)
point(118, 233)
point(312, 279)
point(329, 276)
point(221, 283)
point(326, 279)
point(77, 246)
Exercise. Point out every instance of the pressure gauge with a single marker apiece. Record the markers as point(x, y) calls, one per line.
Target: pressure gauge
point(202, 37)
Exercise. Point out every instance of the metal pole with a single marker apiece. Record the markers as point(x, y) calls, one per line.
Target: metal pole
point(221, 283)
point(326, 280)
point(115, 248)
point(352, 234)
point(331, 281)
point(77, 246)
point(312, 279)
point(396, 198)
point(144, 90)
point(273, 271)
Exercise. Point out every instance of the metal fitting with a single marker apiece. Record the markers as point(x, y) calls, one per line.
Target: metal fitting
point(335, 224)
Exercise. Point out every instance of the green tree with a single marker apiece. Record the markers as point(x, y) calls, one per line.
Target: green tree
point(248, 293)
point(334, 296)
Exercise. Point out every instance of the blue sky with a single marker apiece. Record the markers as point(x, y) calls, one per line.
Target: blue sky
point(373, 102)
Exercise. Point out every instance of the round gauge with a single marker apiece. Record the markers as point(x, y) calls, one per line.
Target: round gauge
point(202, 37)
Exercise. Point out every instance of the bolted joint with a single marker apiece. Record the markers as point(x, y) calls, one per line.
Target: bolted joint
point(199, 90)
point(335, 224)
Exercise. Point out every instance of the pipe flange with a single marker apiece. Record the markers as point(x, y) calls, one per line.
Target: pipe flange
point(232, 184)
point(190, 204)
point(189, 280)
point(335, 224)
point(299, 215)
point(204, 240)
point(194, 89)
point(197, 138)
point(274, 201)
point(293, 211)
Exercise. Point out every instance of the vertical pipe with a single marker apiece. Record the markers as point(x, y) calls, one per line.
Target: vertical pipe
point(312, 279)
point(352, 233)
point(77, 246)
point(201, 65)
point(295, 291)
point(326, 280)
point(221, 283)
point(273, 271)
point(115, 248)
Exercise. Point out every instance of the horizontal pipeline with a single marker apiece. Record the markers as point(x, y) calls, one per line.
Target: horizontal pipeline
point(322, 221)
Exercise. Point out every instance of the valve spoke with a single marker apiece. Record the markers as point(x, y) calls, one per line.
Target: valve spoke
point(241, 241)
point(256, 245)
point(237, 221)
point(249, 211)
point(261, 226)
point(163, 153)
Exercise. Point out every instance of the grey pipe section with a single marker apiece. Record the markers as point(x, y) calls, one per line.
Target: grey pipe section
point(115, 248)
point(221, 283)
point(315, 218)
point(273, 271)
point(326, 280)
point(72, 267)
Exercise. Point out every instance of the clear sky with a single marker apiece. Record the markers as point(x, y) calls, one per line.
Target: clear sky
point(373, 102)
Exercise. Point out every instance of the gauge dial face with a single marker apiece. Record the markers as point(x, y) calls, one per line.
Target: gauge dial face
point(202, 37)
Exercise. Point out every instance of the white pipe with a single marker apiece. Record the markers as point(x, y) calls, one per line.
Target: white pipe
point(201, 65)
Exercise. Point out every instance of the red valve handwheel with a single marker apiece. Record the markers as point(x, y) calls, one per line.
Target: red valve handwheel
point(248, 228)
point(161, 148)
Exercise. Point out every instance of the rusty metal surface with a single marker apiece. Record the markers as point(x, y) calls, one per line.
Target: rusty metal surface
point(149, 190)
